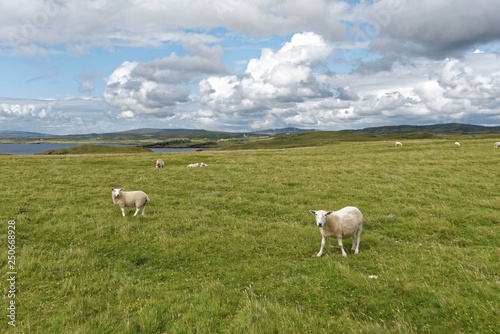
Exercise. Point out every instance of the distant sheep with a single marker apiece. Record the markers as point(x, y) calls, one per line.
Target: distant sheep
point(193, 165)
point(160, 164)
point(497, 144)
point(457, 144)
point(137, 199)
point(344, 223)
point(202, 164)
point(398, 143)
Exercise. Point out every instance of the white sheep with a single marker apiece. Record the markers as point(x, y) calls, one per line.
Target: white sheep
point(160, 164)
point(137, 199)
point(457, 144)
point(497, 144)
point(344, 223)
point(193, 165)
point(398, 143)
point(202, 164)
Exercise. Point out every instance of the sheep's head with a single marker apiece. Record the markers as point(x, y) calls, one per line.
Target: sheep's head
point(320, 216)
point(116, 192)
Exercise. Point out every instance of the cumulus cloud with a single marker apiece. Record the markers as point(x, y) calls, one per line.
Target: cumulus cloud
point(285, 77)
point(86, 82)
point(463, 90)
point(157, 86)
point(426, 28)
point(82, 25)
point(56, 116)
point(435, 29)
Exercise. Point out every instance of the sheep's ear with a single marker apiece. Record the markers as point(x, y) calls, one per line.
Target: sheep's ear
point(329, 212)
point(312, 211)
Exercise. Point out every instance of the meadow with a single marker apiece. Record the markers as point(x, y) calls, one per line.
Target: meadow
point(230, 248)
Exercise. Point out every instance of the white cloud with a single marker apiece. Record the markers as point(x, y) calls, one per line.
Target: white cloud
point(284, 77)
point(156, 87)
point(417, 92)
point(63, 116)
point(435, 29)
point(82, 25)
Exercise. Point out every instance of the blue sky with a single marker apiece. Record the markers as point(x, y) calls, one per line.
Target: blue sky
point(71, 66)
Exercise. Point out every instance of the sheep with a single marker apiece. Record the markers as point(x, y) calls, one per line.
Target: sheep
point(202, 164)
point(193, 165)
point(137, 199)
point(344, 223)
point(497, 144)
point(160, 164)
point(457, 144)
point(398, 143)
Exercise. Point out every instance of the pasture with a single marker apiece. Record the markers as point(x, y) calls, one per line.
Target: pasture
point(231, 248)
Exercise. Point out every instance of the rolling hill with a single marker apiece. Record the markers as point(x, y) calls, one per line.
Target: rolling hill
point(151, 133)
point(448, 128)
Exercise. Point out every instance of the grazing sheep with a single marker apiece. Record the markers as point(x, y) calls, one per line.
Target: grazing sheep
point(193, 165)
point(344, 223)
point(160, 164)
point(202, 164)
point(398, 143)
point(137, 199)
point(457, 144)
point(497, 144)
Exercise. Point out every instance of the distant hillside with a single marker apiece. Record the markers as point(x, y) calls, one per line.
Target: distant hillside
point(270, 132)
point(149, 134)
point(22, 134)
point(158, 134)
point(449, 128)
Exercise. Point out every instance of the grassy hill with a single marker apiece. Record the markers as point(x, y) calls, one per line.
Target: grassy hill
point(230, 248)
point(447, 128)
point(96, 149)
point(190, 137)
point(147, 135)
point(319, 138)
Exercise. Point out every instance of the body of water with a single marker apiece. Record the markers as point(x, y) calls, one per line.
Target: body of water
point(30, 149)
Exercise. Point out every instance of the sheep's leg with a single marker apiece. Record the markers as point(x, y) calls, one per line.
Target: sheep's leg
point(342, 247)
point(323, 241)
point(123, 212)
point(136, 211)
point(143, 208)
point(354, 241)
point(358, 238)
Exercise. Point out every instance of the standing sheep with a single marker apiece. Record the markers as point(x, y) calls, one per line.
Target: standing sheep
point(398, 143)
point(160, 164)
point(497, 144)
point(457, 144)
point(137, 199)
point(344, 223)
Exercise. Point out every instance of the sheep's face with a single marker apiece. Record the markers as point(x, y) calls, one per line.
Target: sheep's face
point(320, 216)
point(116, 192)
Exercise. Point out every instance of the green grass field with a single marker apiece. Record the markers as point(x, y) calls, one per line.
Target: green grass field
point(231, 248)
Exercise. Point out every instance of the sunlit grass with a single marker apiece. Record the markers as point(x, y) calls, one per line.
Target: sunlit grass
point(231, 248)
